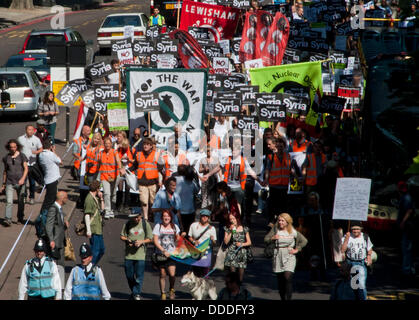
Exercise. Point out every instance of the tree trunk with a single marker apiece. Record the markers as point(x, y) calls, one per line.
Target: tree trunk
point(21, 4)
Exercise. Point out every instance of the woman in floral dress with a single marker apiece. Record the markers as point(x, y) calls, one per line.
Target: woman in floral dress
point(237, 240)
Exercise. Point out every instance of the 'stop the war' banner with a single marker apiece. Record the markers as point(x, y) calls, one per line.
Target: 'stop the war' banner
point(220, 20)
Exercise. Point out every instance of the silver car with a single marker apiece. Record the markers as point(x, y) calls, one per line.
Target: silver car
point(25, 91)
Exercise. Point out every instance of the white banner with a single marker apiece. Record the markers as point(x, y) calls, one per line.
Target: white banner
point(352, 197)
point(182, 99)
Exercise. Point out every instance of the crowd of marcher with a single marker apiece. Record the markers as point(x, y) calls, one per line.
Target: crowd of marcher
point(213, 196)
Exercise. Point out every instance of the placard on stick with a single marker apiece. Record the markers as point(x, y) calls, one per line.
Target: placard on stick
point(352, 197)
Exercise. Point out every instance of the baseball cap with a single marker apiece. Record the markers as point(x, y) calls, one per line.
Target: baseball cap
point(135, 212)
point(205, 212)
point(85, 251)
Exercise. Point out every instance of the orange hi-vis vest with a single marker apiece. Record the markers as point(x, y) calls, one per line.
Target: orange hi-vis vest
point(108, 167)
point(92, 160)
point(147, 165)
point(280, 170)
point(79, 143)
point(311, 175)
point(129, 155)
point(215, 142)
point(233, 173)
point(302, 148)
point(180, 159)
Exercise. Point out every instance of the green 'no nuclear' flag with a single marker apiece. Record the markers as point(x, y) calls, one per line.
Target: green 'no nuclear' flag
point(305, 78)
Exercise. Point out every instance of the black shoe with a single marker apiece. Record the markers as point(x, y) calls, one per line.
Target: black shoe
point(21, 221)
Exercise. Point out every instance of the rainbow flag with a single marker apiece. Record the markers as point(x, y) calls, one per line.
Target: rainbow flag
point(187, 253)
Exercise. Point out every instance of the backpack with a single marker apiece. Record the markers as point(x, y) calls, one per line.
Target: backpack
point(36, 172)
point(40, 223)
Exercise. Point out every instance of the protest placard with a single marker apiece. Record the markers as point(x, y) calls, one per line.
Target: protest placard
point(227, 107)
point(117, 116)
point(146, 101)
point(352, 197)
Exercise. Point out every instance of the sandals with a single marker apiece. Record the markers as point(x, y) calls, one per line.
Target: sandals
point(172, 295)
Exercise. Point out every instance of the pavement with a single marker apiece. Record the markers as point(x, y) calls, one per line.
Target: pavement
point(17, 241)
point(13, 17)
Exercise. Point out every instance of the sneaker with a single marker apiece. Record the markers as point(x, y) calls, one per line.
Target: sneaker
point(137, 297)
point(163, 296)
point(32, 201)
point(172, 294)
point(7, 222)
point(259, 211)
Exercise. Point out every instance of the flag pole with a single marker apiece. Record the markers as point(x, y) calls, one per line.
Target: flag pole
point(178, 14)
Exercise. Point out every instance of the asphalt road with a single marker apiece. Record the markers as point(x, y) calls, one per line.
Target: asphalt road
point(383, 284)
point(87, 22)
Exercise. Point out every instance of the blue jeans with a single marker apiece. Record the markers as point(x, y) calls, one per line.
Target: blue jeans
point(98, 247)
point(359, 279)
point(51, 131)
point(407, 245)
point(134, 271)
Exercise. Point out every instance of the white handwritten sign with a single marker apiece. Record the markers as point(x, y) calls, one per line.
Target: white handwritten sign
point(352, 198)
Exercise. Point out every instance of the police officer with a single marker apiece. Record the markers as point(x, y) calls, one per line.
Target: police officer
point(86, 281)
point(40, 278)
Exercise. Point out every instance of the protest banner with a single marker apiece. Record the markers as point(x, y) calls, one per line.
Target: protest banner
point(263, 25)
point(106, 93)
point(221, 65)
point(200, 33)
point(198, 14)
point(182, 98)
point(352, 197)
point(248, 42)
point(306, 76)
point(166, 61)
point(117, 116)
point(152, 32)
point(167, 47)
point(276, 41)
point(249, 94)
point(271, 113)
point(99, 70)
point(146, 102)
point(190, 52)
point(226, 107)
point(295, 104)
point(71, 91)
point(186, 253)
point(332, 105)
point(248, 125)
point(142, 47)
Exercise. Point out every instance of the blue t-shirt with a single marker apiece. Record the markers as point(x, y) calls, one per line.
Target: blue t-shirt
point(406, 203)
point(186, 190)
point(162, 202)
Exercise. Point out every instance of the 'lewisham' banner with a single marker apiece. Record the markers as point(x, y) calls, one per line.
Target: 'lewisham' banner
point(306, 76)
point(220, 20)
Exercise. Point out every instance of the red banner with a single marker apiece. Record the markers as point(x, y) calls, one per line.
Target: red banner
point(264, 23)
point(248, 42)
point(277, 41)
point(222, 21)
point(190, 52)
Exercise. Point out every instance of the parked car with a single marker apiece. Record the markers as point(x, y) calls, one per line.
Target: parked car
point(112, 28)
point(36, 41)
point(36, 61)
point(24, 88)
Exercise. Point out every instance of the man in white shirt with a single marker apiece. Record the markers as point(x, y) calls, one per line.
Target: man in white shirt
point(31, 147)
point(86, 281)
point(50, 163)
point(357, 248)
point(40, 278)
